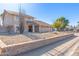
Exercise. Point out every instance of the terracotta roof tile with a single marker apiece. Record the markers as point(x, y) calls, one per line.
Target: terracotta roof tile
point(17, 13)
point(35, 21)
point(41, 23)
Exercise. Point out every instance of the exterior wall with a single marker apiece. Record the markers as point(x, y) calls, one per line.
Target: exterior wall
point(26, 28)
point(27, 19)
point(1, 21)
point(2, 29)
point(16, 20)
point(44, 29)
point(10, 20)
point(41, 29)
point(26, 25)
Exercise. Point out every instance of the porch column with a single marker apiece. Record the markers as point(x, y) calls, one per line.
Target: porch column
point(15, 28)
point(33, 28)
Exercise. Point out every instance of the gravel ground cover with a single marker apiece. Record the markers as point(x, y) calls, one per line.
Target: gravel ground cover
point(19, 38)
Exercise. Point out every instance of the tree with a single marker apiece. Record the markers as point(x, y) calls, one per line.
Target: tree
point(64, 24)
point(56, 25)
point(60, 23)
point(21, 20)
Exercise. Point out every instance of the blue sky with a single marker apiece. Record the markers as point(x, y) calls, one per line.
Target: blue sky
point(48, 12)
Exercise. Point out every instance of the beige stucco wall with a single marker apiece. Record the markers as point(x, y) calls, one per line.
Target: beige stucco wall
point(44, 29)
point(10, 20)
point(26, 28)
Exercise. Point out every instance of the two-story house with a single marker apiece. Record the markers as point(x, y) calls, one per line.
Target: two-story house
point(10, 19)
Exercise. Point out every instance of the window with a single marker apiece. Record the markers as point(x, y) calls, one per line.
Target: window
point(17, 17)
point(28, 21)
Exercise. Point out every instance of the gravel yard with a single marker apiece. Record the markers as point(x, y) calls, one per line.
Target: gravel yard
point(9, 39)
point(53, 34)
point(19, 38)
point(20, 42)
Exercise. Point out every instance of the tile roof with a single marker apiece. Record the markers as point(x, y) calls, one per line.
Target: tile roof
point(17, 13)
point(41, 23)
point(35, 21)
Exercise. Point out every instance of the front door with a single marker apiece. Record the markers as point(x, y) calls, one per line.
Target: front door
point(30, 28)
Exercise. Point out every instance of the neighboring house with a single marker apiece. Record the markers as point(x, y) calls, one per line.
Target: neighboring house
point(11, 20)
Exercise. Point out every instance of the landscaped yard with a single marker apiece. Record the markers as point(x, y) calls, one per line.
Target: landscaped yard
point(20, 38)
point(9, 39)
point(14, 44)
